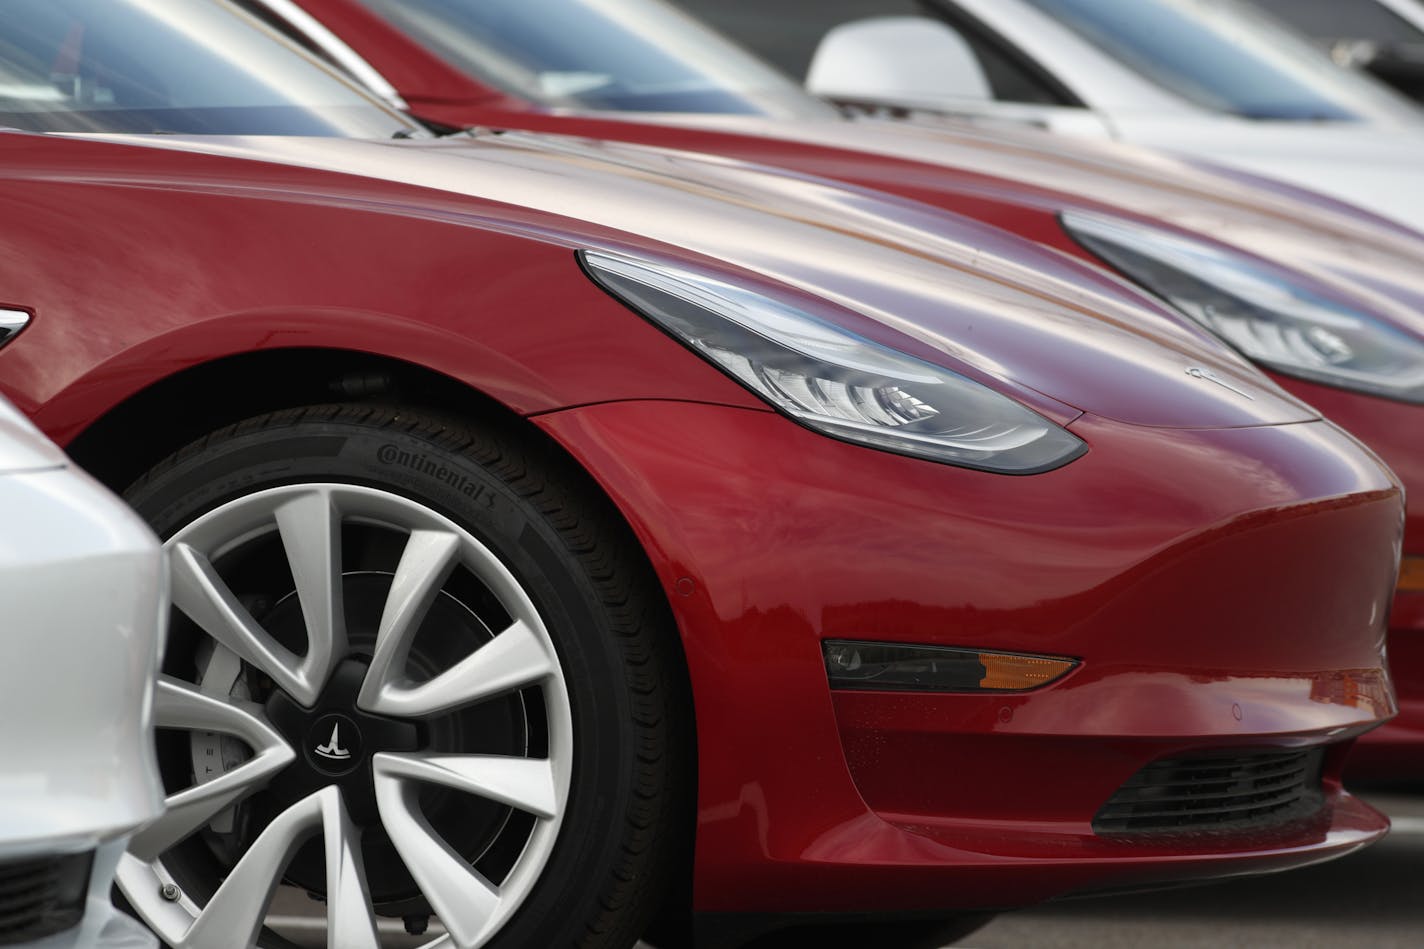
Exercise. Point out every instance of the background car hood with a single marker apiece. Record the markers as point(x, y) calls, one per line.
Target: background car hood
point(1374, 166)
point(1370, 260)
point(969, 296)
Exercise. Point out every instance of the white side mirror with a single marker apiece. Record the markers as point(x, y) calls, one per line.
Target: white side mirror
point(902, 60)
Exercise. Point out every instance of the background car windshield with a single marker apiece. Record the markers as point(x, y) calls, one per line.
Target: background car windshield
point(1227, 58)
point(626, 55)
point(179, 66)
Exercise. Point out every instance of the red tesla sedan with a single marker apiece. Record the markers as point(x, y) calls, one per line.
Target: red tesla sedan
point(1326, 298)
point(564, 533)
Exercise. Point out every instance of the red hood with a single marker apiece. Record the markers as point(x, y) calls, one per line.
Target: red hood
point(1021, 180)
point(1028, 320)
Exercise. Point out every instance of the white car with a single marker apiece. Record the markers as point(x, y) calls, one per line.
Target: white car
point(1214, 79)
point(83, 596)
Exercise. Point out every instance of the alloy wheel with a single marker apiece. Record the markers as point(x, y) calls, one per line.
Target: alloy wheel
point(360, 698)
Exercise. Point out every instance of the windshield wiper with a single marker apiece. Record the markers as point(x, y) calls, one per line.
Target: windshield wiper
point(435, 129)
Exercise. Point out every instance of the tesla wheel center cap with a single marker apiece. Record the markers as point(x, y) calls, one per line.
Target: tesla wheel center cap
point(333, 743)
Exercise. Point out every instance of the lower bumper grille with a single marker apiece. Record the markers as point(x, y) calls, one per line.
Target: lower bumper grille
point(1215, 794)
point(42, 896)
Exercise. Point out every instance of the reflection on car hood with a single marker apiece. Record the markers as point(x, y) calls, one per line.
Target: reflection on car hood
point(975, 296)
point(1375, 166)
point(1376, 260)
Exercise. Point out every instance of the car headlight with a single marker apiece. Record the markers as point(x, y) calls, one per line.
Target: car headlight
point(1263, 314)
point(834, 381)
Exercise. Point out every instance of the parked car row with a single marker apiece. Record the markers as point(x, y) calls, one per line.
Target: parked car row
point(607, 492)
point(1281, 275)
point(1216, 80)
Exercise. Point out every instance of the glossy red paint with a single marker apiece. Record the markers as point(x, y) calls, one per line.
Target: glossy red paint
point(1394, 753)
point(175, 313)
point(1203, 555)
point(801, 789)
point(1020, 183)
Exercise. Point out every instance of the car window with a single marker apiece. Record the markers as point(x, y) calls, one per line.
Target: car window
point(787, 34)
point(1344, 19)
point(171, 66)
point(1228, 58)
point(634, 55)
point(1012, 76)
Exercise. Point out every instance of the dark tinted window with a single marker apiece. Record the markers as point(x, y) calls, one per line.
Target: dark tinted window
point(178, 66)
point(1228, 58)
point(1344, 19)
point(786, 32)
point(635, 55)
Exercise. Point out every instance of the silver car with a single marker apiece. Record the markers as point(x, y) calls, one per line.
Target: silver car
point(82, 597)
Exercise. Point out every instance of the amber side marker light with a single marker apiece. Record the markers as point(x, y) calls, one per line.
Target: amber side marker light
point(898, 668)
point(1411, 575)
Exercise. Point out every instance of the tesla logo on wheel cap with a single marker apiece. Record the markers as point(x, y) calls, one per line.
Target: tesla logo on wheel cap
point(1197, 372)
point(333, 744)
point(332, 749)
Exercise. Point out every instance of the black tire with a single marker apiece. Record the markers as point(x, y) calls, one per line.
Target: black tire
point(616, 851)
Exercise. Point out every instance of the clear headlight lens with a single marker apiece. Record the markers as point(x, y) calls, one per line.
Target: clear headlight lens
point(1264, 316)
point(834, 381)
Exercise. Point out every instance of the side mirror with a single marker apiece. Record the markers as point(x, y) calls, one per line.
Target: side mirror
point(901, 60)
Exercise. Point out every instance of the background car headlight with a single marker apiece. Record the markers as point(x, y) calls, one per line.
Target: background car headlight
point(834, 381)
point(1264, 315)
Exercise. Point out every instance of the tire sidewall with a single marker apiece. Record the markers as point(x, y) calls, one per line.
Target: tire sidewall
point(428, 470)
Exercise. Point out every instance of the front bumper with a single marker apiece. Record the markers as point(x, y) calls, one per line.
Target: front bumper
point(1197, 574)
point(101, 925)
point(83, 588)
point(1394, 753)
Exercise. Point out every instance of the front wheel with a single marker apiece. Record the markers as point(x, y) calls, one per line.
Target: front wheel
point(418, 672)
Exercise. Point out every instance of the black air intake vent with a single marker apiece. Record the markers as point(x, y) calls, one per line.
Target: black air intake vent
point(42, 896)
point(1215, 794)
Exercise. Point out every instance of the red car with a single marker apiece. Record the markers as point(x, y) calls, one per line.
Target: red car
point(565, 534)
point(1204, 240)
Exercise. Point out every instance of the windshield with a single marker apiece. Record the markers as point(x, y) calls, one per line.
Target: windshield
point(624, 55)
point(1227, 58)
point(177, 66)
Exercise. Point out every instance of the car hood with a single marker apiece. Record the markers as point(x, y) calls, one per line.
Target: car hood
point(1357, 256)
point(1029, 320)
point(1373, 166)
